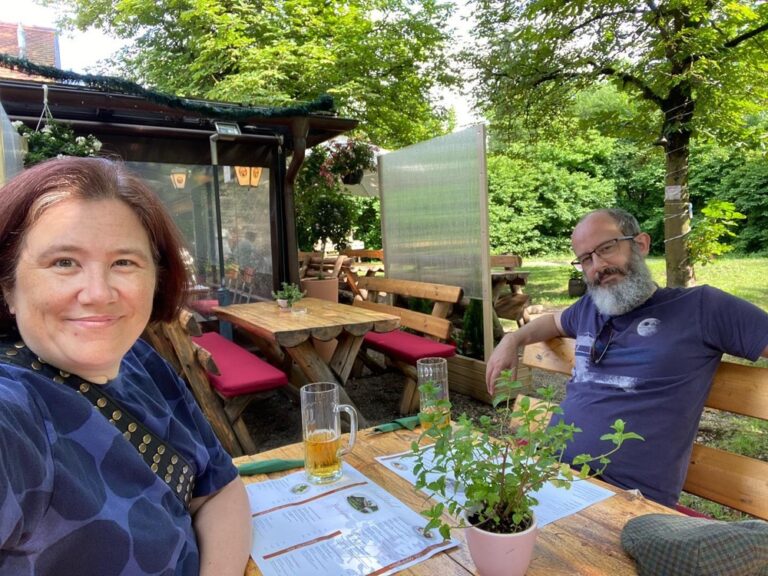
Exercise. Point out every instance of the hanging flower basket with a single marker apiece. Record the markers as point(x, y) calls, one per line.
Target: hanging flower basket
point(348, 160)
point(52, 140)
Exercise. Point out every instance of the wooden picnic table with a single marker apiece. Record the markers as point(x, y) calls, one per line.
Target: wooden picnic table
point(285, 337)
point(584, 543)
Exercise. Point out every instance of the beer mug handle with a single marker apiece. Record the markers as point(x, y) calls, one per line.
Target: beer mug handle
point(352, 425)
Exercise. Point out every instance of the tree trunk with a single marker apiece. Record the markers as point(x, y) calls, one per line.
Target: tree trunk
point(677, 220)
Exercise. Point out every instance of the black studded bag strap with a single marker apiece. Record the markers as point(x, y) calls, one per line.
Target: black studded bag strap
point(161, 457)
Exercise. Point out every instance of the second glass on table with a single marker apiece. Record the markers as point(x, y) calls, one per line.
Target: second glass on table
point(321, 428)
point(434, 407)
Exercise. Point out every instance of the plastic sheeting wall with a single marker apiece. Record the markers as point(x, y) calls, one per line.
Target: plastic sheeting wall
point(434, 211)
point(10, 147)
point(245, 219)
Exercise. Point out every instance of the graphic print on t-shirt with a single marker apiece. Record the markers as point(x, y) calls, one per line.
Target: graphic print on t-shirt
point(583, 369)
point(648, 326)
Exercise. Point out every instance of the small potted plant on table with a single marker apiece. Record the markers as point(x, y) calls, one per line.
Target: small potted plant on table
point(500, 465)
point(288, 295)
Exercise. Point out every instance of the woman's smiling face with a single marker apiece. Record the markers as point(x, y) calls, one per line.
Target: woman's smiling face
point(84, 286)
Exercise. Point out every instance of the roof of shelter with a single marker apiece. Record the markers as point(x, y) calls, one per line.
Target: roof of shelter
point(104, 105)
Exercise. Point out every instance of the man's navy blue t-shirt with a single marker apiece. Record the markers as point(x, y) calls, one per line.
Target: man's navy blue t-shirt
point(655, 375)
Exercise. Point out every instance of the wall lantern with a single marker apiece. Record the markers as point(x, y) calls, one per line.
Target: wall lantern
point(248, 175)
point(179, 178)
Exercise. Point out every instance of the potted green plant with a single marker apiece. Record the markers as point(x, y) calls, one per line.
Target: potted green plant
point(576, 284)
point(288, 295)
point(499, 464)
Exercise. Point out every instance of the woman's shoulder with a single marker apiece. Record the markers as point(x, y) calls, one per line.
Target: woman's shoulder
point(22, 418)
point(144, 357)
point(143, 362)
point(15, 386)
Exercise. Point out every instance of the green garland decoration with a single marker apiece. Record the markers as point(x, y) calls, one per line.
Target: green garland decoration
point(323, 103)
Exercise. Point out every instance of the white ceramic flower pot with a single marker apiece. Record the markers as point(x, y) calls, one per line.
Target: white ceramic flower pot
point(501, 554)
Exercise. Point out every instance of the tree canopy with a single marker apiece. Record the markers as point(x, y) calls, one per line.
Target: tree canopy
point(692, 67)
point(382, 60)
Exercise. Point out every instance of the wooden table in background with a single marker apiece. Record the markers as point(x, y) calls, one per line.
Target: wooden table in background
point(585, 543)
point(285, 337)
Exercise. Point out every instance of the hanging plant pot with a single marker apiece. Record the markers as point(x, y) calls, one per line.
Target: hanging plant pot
point(353, 177)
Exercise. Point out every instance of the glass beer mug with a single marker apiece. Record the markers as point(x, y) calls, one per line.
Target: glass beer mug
point(320, 422)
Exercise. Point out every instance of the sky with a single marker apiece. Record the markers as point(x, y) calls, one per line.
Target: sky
point(77, 48)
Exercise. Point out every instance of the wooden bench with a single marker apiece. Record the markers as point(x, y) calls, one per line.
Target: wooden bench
point(224, 378)
point(362, 254)
point(513, 304)
point(506, 261)
point(732, 480)
point(359, 266)
point(313, 264)
point(402, 349)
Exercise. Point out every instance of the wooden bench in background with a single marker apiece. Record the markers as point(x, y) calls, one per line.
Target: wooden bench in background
point(510, 304)
point(223, 377)
point(402, 349)
point(364, 262)
point(506, 261)
point(729, 479)
point(313, 264)
point(364, 254)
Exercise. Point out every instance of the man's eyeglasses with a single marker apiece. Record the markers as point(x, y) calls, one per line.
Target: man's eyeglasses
point(598, 350)
point(604, 250)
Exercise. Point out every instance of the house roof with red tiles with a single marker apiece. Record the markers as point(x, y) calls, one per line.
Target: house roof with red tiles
point(35, 43)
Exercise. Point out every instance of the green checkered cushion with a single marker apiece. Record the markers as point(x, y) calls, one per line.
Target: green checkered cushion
point(666, 545)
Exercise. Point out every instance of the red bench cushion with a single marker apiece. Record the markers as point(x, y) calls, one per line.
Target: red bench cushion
point(241, 371)
point(204, 307)
point(406, 346)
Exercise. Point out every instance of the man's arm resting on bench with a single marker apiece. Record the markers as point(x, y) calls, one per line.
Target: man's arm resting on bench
point(504, 357)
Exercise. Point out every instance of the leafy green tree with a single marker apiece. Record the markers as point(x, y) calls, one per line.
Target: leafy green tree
point(368, 221)
point(747, 188)
point(691, 67)
point(323, 213)
point(382, 60)
point(705, 241)
point(537, 192)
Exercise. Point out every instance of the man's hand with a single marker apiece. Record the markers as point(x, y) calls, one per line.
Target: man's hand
point(504, 357)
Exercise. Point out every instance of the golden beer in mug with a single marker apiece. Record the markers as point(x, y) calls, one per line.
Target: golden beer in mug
point(321, 431)
point(322, 454)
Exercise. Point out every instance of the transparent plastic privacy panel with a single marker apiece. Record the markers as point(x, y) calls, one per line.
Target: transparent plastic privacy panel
point(10, 147)
point(434, 211)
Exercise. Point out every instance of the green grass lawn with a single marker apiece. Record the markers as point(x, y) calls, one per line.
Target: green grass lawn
point(743, 277)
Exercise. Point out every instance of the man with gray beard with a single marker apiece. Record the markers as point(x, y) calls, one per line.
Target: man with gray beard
point(644, 354)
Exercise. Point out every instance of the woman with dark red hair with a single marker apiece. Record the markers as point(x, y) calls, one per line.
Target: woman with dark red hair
point(108, 466)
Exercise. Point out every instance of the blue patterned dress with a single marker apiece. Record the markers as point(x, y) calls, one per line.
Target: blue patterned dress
point(76, 498)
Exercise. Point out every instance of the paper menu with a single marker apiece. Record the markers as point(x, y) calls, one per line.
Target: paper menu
point(351, 527)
